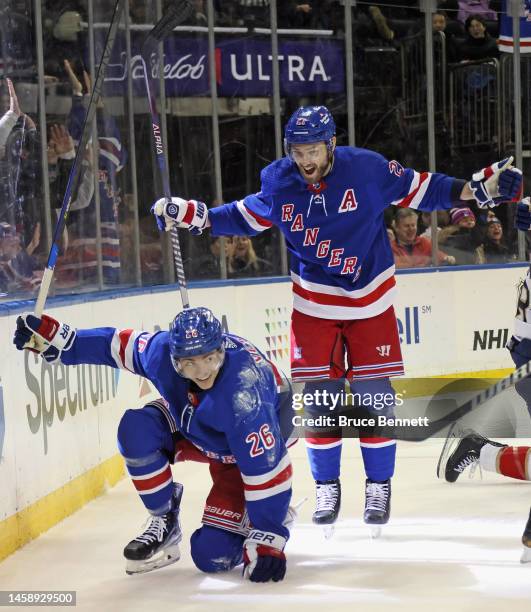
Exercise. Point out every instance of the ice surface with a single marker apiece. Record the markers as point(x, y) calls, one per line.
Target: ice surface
point(448, 547)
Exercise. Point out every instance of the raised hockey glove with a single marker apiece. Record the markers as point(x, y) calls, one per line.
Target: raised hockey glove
point(45, 336)
point(263, 557)
point(189, 214)
point(522, 218)
point(497, 183)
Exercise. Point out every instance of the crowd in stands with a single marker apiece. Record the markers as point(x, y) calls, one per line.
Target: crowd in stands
point(464, 236)
point(471, 26)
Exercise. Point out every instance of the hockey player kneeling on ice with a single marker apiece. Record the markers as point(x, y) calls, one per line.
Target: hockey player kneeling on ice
point(223, 403)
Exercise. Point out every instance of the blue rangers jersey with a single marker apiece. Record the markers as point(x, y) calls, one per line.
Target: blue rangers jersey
point(236, 421)
point(341, 264)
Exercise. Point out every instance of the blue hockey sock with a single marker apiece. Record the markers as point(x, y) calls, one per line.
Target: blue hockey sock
point(324, 455)
point(378, 458)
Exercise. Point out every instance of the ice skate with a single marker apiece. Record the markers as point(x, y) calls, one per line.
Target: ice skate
point(328, 504)
point(377, 505)
point(460, 454)
point(526, 541)
point(158, 546)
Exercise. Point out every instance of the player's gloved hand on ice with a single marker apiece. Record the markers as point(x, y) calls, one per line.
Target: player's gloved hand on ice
point(263, 559)
point(190, 214)
point(497, 183)
point(522, 218)
point(45, 336)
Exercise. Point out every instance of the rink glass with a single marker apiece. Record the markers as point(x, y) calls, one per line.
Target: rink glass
point(220, 133)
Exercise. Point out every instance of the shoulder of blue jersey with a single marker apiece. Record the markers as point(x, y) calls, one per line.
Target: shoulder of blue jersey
point(278, 175)
point(154, 347)
point(357, 155)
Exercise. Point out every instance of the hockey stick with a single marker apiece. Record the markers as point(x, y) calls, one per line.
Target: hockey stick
point(76, 168)
point(178, 13)
point(487, 394)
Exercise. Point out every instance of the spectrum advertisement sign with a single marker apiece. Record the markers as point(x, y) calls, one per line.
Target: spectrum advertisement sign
point(243, 67)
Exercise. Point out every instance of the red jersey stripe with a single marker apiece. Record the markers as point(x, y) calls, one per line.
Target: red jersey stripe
point(258, 218)
point(125, 335)
point(339, 300)
point(154, 481)
point(407, 200)
point(273, 482)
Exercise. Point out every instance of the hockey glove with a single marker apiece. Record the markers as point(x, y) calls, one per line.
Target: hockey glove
point(522, 219)
point(263, 559)
point(45, 336)
point(190, 214)
point(497, 183)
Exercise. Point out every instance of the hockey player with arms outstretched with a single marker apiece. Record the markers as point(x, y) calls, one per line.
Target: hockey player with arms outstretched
point(223, 403)
point(329, 203)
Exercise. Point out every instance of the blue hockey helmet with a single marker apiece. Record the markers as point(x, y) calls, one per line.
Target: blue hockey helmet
point(193, 332)
point(309, 124)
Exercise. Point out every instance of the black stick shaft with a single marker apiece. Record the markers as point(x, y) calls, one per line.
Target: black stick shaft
point(176, 15)
point(76, 168)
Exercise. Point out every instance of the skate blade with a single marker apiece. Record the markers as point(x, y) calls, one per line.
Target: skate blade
point(375, 531)
point(526, 555)
point(328, 531)
point(452, 440)
point(170, 555)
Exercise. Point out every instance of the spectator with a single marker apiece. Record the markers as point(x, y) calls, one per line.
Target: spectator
point(381, 23)
point(18, 268)
point(474, 8)
point(199, 18)
point(20, 171)
point(409, 249)
point(253, 13)
point(478, 43)
point(138, 12)
point(244, 262)
point(401, 18)
point(451, 30)
point(298, 14)
point(443, 219)
point(209, 264)
point(462, 237)
point(81, 258)
point(439, 21)
point(10, 118)
point(493, 250)
point(62, 40)
point(226, 13)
